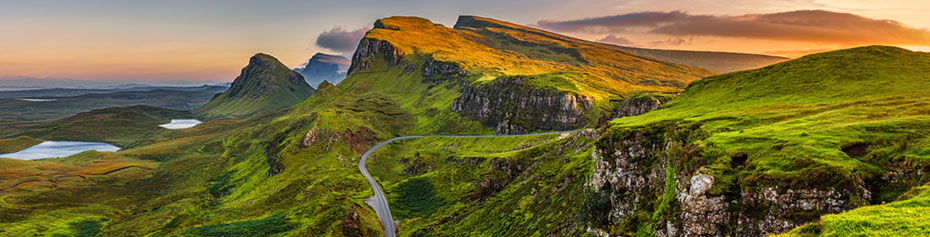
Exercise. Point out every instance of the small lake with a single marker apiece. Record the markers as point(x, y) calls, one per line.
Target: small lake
point(36, 100)
point(180, 123)
point(56, 149)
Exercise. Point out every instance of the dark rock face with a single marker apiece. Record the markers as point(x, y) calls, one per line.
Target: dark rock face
point(370, 50)
point(352, 223)
point(636, 106)
point(438, 71)
point(634, 166)
point(324, 67)
point(509, 106)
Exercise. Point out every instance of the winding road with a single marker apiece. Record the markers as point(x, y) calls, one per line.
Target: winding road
point(379, 203)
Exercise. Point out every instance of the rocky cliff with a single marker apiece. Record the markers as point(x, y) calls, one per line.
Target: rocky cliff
point(634, 166)
point(510, 106)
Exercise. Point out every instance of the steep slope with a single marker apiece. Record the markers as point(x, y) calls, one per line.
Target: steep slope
point(324, 67)
point(722, 62)
point(517, 79)
point(765, 150)
point(265, 84)
point(122, 126)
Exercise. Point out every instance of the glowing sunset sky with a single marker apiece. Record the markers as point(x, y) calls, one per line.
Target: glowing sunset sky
point(212, 40)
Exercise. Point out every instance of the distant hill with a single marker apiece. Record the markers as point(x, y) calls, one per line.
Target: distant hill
point(324, 67)
point(25, 83)
point(51, 108)
point(66, 92)
point(121, 126)
point(264, 84)
point(721, 62)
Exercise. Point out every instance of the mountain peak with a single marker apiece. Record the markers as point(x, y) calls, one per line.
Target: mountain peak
point(265, 83)
point(263, 59)
point(324, 67)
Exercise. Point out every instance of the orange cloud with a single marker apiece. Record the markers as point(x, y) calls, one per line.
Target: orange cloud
point(801, 26)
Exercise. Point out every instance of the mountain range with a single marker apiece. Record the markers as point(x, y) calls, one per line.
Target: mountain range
point(642, 142)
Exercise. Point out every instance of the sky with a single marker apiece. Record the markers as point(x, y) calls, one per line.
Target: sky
point(212, 40)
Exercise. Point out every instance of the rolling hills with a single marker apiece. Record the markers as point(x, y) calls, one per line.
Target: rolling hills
point(744, 153)
point(60, 107)
point(122, 126)
point(264, 84)
point(765, 150)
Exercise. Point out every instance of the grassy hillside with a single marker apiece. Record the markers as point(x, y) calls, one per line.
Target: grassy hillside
point(121, 126)
point(265, 84)
point(519, 186)
point(10, 145)
point(492, 48)
point(835, 120)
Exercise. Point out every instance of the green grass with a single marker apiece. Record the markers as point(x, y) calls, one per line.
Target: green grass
point(416, 197)
point(10, 145)
point(267, 226)
point(485, 186)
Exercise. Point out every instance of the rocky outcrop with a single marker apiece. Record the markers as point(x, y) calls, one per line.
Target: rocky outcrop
point(359, 141)
point(352, 223)
point(370, 49)
point(636, 165)
point(439, 71)
point(636, 106)
point(510, 106)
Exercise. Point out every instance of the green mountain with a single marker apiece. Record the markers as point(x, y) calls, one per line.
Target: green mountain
point(265, 84)
point(744, 153)
point(511, 78)
point(121, 126)
point(763, 151)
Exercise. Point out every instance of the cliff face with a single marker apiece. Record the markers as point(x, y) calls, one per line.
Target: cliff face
point(509, 106)
point(634, 166)
point(373, 49)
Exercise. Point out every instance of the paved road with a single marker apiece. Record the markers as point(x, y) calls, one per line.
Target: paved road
point(379, 203)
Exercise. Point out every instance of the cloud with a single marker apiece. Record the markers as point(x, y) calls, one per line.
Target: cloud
point(803, 26)
point(616, 39)
point(340, 40)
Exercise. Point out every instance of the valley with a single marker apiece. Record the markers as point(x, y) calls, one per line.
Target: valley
point(485, 128)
